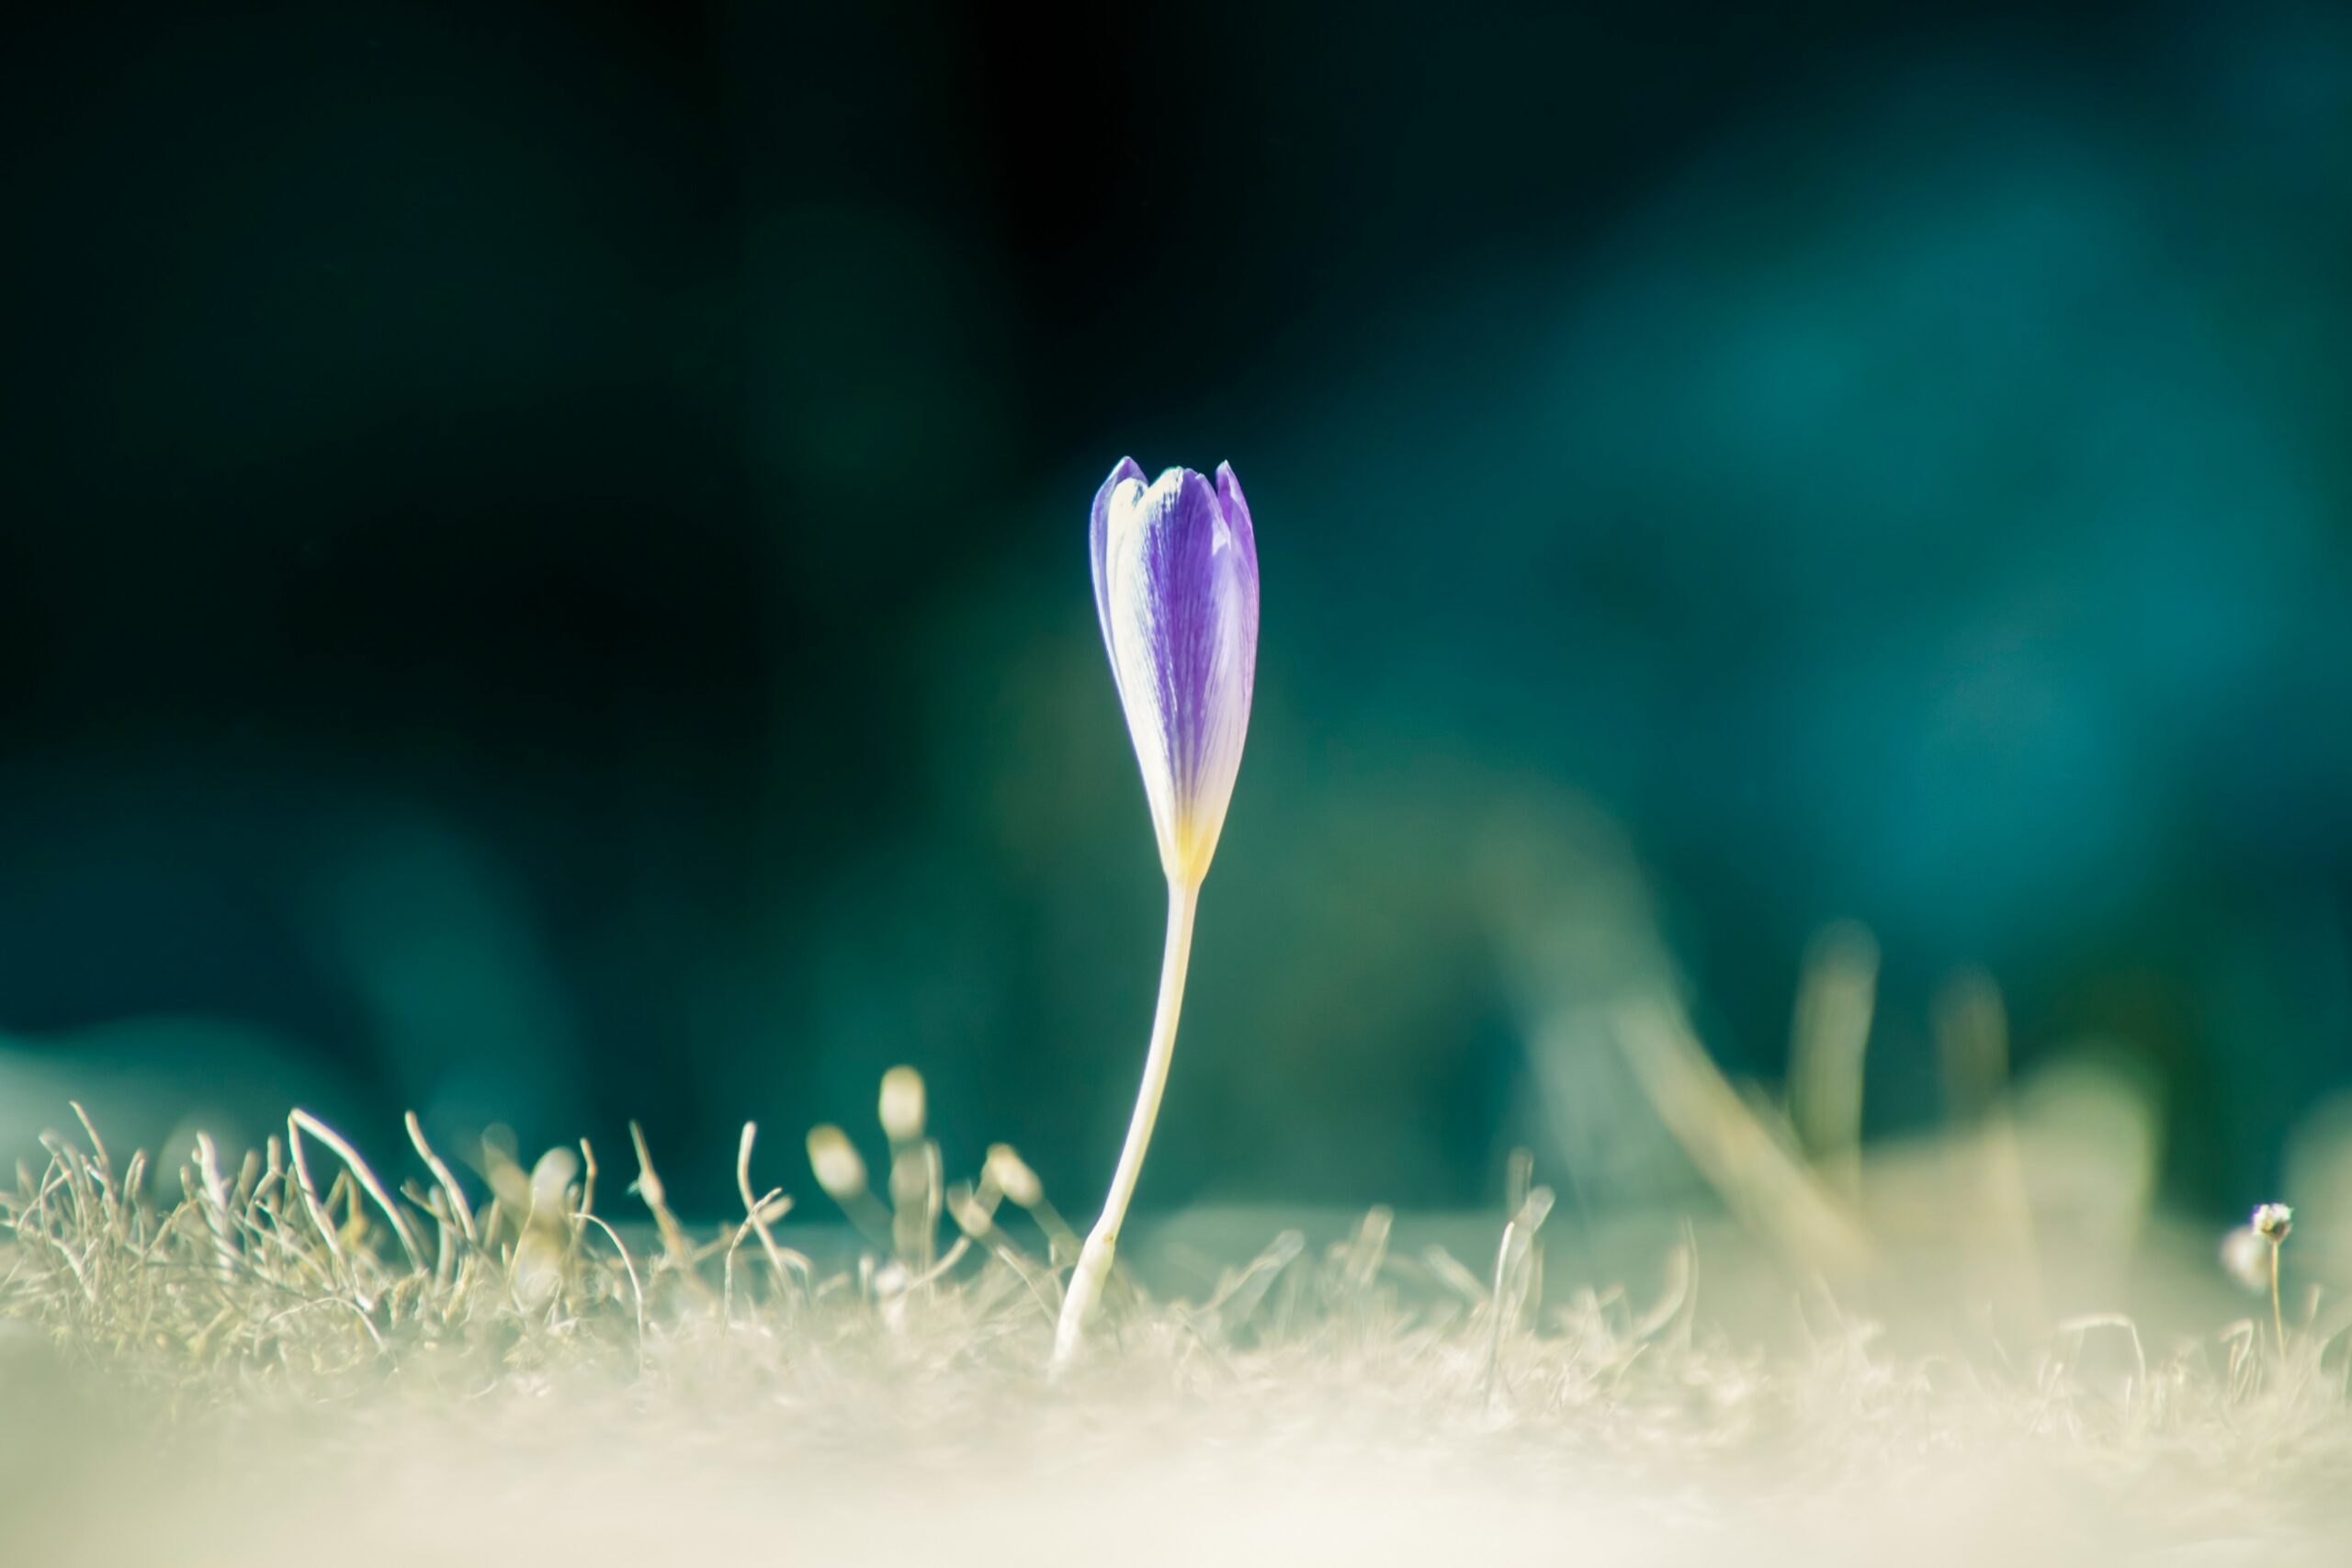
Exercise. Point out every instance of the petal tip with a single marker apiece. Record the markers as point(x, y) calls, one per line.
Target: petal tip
point(1229, 486)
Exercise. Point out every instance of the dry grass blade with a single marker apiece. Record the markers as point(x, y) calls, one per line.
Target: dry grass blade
point(1754, 1171)
point(759, 1213)
point(460, 1210)
point(1836, 998)
point(302, 1122)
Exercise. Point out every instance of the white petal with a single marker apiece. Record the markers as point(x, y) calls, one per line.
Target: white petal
point(1133, 643)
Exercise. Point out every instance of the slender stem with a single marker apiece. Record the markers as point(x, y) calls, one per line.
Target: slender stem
point(2278, 1318)
point(1094, 1258)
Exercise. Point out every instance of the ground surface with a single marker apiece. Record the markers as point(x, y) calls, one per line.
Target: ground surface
point(274, 1370)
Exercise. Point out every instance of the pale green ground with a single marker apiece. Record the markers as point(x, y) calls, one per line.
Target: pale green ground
point(229, 1380)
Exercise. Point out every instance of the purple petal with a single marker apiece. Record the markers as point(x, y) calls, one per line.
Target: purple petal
point(1236, 516)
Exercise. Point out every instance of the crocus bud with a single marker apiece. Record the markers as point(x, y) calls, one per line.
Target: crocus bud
point(902, 1107)
point(1176, 585)
point(835, 1162)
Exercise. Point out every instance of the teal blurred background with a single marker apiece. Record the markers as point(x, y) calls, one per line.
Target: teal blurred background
point(543, 573)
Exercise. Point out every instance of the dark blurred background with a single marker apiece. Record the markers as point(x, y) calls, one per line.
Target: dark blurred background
point(543, 575)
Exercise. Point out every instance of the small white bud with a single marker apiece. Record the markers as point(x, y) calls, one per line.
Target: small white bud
point(549, 1179)
point(1012, 1176)
point(2246, 1257)
point(835, 1161)
point(971, 1217)
point(2274, 1221)
point(902, 1104)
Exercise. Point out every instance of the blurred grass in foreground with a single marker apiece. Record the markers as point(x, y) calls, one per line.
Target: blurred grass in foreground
point(302, 1351)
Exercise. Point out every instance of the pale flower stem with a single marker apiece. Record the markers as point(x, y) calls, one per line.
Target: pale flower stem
point(1094, 1258)
point(2278, 1318)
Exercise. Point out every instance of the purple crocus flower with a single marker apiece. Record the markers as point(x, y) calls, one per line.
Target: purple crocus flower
point(1176, 584)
